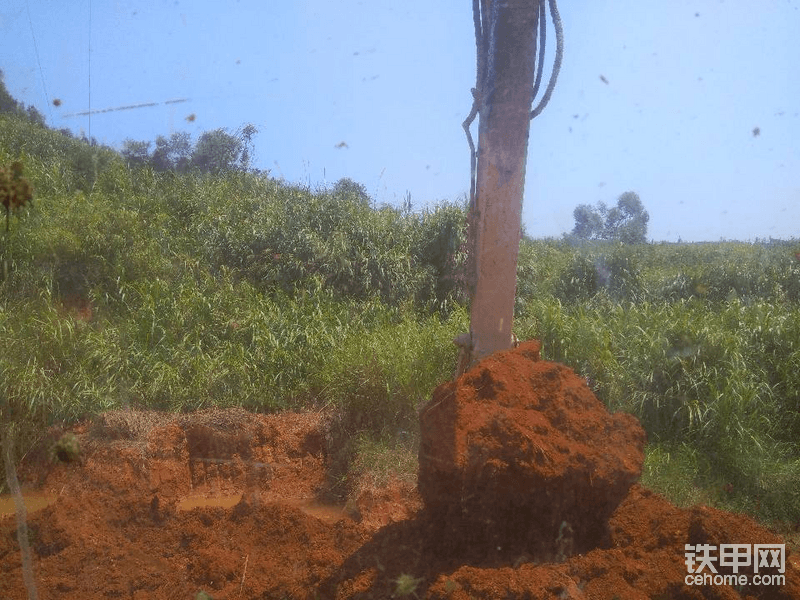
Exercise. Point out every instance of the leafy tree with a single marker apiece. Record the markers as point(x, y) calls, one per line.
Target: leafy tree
point(9, 105)
point(173, 154)
point(215, 152)
point(626, 222)
point(246, 134)
point(7, 102)
point(218, 151)
point(588, 222)
point(348, 188)
point(136, 154)
point(629, 219)
point(34, 116)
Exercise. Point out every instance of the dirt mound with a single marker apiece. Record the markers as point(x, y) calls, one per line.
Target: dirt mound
point(227, 502)
point(519, 456)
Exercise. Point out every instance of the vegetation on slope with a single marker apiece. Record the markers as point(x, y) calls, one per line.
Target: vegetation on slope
point(127, 286)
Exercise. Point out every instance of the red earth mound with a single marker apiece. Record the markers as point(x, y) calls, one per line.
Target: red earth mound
point(227, 503)
point(521, 457)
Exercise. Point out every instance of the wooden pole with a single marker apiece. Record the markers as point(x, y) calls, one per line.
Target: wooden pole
point(505, 110)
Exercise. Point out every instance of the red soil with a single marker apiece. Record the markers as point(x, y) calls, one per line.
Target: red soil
point(120, 528)
point(518, 453)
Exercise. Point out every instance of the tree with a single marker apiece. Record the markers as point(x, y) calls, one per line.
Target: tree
point(217, 151)
point(588, 222)
point(626, 222)
point(173, 154)
point(7, 102)
point(346, 187)
point(9, 105)
point(245, 134)
point(136, 154)
point(629, 220)
point(34, 116)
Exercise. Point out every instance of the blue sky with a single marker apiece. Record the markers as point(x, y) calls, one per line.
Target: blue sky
point(688, 82)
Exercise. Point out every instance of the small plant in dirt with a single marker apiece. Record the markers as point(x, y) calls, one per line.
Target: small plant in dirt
point(67, 448)
point(406, 585)
point(451, 586)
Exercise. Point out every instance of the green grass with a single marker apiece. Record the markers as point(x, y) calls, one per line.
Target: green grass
point(239, 290)
point(718, 376)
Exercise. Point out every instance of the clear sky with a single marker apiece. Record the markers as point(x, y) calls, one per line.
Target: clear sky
point(377, 90)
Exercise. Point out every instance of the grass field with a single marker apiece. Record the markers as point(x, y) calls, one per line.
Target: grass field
point(172, 291)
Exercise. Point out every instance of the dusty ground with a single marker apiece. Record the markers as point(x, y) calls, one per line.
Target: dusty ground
point(227, 503)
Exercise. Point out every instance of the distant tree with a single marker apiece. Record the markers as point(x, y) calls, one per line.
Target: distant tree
point(89, 142)
point(173, 154)
point(349, 188)
point(34, 116)
point(588, 222)
point(7, 102)
point(246, 134)
point(625, 222)
point(9, 105)
point(217, 151)
point(136, 154)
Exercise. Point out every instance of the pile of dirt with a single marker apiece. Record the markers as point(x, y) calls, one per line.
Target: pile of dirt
point(518, 456)
point(229, 503)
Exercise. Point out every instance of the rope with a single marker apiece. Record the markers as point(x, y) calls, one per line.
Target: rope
point(479, 21)
point(38, 60)
point(480, 68)
point(540, 45)
point(559, 54)
point(473, 155)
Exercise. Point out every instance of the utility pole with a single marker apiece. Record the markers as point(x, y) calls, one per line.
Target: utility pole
point(504, 99)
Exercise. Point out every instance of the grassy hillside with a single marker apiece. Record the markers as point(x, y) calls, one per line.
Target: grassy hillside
point(172, 291)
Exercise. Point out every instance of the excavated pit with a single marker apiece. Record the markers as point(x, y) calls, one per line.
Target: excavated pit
point(518, 457)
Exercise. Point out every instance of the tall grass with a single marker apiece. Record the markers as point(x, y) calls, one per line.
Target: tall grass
point(136, 288)
point(712, 372)
point(155, 290)
point(375, 381)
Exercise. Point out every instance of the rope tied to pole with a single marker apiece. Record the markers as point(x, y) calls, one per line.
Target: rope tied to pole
point(479, 18)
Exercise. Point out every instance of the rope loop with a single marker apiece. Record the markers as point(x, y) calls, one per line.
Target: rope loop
point(479, 18)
